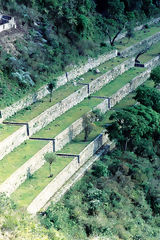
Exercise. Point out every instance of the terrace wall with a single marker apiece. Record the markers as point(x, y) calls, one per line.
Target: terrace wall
point(48, 192)
point(7, 145)
point(138, 28)
point(42, 92)
point(58, 109)
point(19, 176)
point(65, 174)
point(136, 48)
point(77, 71)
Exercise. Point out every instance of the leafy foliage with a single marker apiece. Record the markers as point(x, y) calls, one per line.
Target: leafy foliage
point(149, 97)
point(134, 126)
point(155, 75)
point(50, 158)
point(119, 204)
point(88, 126)
point(17, 224)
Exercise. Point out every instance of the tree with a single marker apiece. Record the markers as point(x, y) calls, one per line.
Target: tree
point(132, 125)
point(149, 97)
point(115, 19)
point(155, 76)
point(50, 87)
point(88, 126)
point(50, 158)
point(130, 31)
point(144, 50)
point(114, 28)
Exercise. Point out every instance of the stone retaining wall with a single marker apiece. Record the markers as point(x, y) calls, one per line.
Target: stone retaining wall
point(47, 193)
point(110, 75)
point(19, 176)
point(61, 107)
point(153, 62)
point(65, 174)
point(42, 92)
point(58, 109)
point(136, 48)
point(13, 141)
point(138, 28)
point(77, 71)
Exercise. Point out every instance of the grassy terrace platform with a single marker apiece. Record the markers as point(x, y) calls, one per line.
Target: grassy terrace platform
point(25, 194)
point(103, 68)
point(32, 187)
point(139, 36)
point(86, 105)
point(6, 130)
point(151, 53)
point(25, 151)
point(37, 108)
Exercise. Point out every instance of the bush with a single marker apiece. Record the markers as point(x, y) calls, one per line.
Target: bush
point(155, 75)
point(100, 169)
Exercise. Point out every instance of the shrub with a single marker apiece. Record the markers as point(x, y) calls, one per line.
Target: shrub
point(100, 169)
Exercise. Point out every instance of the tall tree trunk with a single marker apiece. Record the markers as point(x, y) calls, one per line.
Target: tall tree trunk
point(126, 145)
point(50, 97)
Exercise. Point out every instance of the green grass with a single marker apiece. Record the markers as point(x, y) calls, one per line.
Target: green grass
point(139, 36)
point(103, 68)
point(39, 180)
point(37, 108)
point(86, 105)
point(25, 194)
point(151, 53)
point(25, 151)
point(6, 130)
point(31, 187)
point(61, 93)
point(18, 157)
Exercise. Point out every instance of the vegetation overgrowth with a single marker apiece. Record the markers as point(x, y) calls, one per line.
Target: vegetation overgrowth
point(30, 147)
point(16, 224)
point(119, 197)
point(60, 34)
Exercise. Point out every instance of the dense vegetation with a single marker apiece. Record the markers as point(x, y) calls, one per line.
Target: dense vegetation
point(119, 197)
point(59, 34)
point(16, 224)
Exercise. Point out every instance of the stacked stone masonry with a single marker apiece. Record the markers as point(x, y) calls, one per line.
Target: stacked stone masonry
point(65, 174)
point(136, 48)
point(19, 176)
point(41, 200)
point(42, 92)
point(61, 107)
point(77, 71)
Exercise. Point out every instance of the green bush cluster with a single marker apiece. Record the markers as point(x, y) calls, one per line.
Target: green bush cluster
point(117, 198)
point(17, 224)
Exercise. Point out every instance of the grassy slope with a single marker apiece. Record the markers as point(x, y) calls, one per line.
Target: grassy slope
point(139, 36)
point(37, 108)
point(35, 184)
point(18, 93)
point(151, 53)
point(22, 153)
point(124, 212)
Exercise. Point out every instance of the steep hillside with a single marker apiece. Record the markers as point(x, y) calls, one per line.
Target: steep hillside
point(117, 199)
point(58, 35)
point(17, 224)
